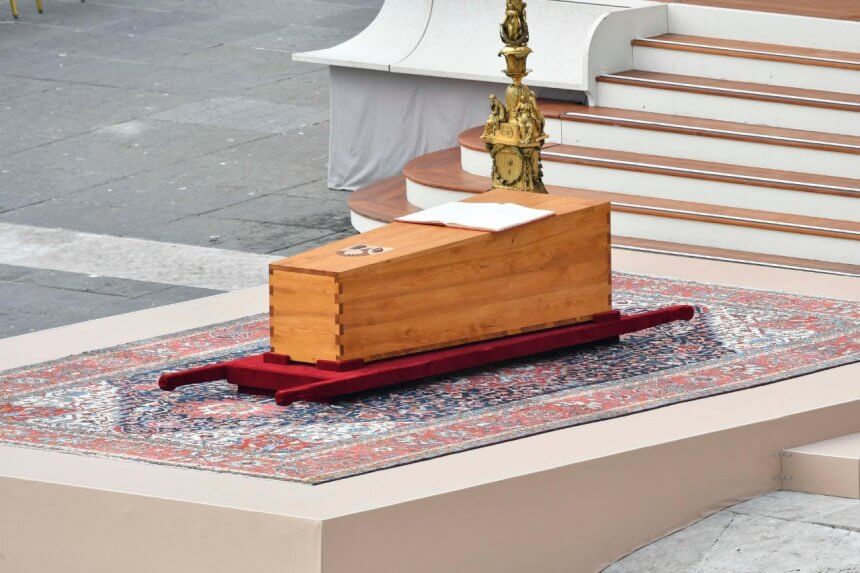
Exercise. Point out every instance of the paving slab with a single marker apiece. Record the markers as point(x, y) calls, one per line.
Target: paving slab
point(131, 147)
point(192, 187)
point(297, 37)
point(290, 210)
point(115, 47)
point(246, 114)
point(356, 19)
point(778, 532)
point(128, 258)
point(24, 184)
point(310, 88)
point(238, 235)
point(68, 110)
point(28, 297)
point(84, 15)
point(79, 282)
point(313, 243)
point(289, 159)
point(209, 27)
point(848, 519)
point(795, 506)
point(282, 12)
point(13, 88)
point(754, 543)
point(682, 551)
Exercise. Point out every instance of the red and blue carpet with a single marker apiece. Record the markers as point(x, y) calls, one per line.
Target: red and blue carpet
point(107, 402)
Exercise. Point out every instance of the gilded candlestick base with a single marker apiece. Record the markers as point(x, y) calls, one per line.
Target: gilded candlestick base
point(514, 133)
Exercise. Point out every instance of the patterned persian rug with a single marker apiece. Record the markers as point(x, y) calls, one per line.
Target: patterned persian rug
point(107, 402)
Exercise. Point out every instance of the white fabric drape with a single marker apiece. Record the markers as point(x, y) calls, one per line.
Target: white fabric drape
point(380, 120)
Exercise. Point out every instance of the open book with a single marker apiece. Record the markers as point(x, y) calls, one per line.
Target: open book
point(480, 216)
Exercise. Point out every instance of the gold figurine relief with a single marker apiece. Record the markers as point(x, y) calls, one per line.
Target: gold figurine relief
point(514, 133)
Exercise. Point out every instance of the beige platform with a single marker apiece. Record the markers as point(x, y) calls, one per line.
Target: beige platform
point(570, 500)
point(830, 467)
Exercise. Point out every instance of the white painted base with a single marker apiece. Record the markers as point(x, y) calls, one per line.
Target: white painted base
point(715, 149)
point(741, 69)
point(683, 188)
point(363, 224)
point(709, 106)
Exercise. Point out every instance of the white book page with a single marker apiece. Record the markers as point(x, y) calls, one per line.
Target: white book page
point(479, 216)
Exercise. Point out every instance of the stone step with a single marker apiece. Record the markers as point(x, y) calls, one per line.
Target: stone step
point(774, 64)
point(728, 100)
point(831, 467)
point(705, 139)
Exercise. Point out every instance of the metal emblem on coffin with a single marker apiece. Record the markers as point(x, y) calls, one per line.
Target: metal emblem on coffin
point(362, 250)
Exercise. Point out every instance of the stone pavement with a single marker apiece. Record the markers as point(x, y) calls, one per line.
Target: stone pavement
point(781, 532)
point(177, 121)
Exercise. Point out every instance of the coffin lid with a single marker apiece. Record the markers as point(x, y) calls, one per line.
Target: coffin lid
point(410, 240)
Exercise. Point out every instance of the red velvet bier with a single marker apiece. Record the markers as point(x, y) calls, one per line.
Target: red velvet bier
point(270, 373)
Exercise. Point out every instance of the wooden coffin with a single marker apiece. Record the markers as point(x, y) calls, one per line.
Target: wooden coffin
point(405, 287)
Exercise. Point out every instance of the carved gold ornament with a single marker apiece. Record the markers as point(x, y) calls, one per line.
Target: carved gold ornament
point(514, 133)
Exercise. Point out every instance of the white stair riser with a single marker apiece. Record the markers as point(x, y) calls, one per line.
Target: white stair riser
point(553, 127)
point(425, 197)
point(764, 241)
point(683, 188)
point(709, 106)
point(731, 151)
point(742, 69)
point(476, 162)
point(363, 224)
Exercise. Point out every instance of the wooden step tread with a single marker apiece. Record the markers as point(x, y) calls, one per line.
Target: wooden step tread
point(753, 50)
point(382, 201)
point(743, 90)
point(373, 200)
point(435, 170)
point(691, 168)
point(708, 128)
point(673, 209)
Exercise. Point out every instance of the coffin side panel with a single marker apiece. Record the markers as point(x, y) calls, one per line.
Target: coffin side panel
point(545, 274)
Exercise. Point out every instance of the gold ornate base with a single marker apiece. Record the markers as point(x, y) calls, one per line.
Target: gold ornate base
point(517, 168)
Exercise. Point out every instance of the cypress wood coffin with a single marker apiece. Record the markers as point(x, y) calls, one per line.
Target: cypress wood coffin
point(406, 288)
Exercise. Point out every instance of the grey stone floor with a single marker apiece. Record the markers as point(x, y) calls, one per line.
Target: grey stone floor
point(182, 121)
point(781, 532)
